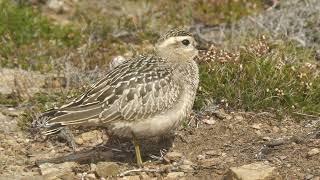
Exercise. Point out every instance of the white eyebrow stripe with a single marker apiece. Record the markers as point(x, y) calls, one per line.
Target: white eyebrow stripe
point(173, 40)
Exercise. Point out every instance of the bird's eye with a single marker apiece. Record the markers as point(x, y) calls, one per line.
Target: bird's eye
point(185, 42)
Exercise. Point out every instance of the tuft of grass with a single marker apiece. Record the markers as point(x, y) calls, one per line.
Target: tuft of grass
point(28, 40)
point(284, 80)
point(43, 101)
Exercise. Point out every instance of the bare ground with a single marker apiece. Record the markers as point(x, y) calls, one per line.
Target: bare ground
point(205, 148)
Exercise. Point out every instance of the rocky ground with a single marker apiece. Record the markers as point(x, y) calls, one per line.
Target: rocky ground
point(215, 145)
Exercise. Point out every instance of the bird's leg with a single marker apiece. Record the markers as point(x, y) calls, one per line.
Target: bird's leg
point(137, 149)
point(66, 134)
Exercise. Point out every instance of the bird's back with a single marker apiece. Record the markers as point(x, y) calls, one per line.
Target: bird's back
point(133, 91)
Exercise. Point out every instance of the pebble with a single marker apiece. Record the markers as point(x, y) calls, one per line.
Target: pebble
point(49, 168)
point(313, 152)
point(238, 118)
point(213, 153)
point(200, 157)
point(175, 175)
point(252, 171)
point(107, 169)
point(210, 121)
point(136, 177)
point(173, 156)
point(186, 168)
point(256, 126)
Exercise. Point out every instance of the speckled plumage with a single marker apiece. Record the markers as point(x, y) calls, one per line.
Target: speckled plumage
point(146, 96)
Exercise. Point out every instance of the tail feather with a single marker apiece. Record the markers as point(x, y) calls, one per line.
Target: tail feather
point(53, 121)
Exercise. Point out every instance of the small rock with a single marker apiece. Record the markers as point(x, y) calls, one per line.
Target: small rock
point(254, 171)
point(210, 121)
point(213, 153)
point(238, 118)
point(67, 176)
point(221, 114)
point(282, 157)
point(107, 169)
point(90, 177)
point(266, 138)
point(200, 157)
point(57, 169)
point(58, 6)
point(313, 152)
point(131, 177)
point(275, 129)
point(25, 83)
point(258, 132)
point(92, 137)
point(187, 162)
point(228, 117)
point(93, 167)
point(308, 176)
point(256, 126)
point(208, 163)
point(175, 175)
point(186, 168)
point(173, 156)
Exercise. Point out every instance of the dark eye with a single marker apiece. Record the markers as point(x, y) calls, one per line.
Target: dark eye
point(185, 42)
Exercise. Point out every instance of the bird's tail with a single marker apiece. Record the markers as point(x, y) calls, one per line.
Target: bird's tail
point(41, 122)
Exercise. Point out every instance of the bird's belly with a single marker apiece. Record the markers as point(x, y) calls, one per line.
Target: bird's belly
point(157, 125)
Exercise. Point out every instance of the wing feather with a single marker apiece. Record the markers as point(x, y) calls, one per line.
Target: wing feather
point(134, 90)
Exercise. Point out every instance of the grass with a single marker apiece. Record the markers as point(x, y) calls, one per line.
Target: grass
point(29, 40)
point(284, 80)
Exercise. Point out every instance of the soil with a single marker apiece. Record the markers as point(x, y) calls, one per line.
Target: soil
point(211, 143)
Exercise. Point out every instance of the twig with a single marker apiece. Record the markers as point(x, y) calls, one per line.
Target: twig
point(308, 115)
point(140, 170)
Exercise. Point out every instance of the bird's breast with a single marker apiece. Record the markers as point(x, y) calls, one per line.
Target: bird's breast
point(160, 124)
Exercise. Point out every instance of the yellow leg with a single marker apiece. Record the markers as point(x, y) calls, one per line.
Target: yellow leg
point(137, 149)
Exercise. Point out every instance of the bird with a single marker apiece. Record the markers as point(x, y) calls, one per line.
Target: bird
point(143, 97)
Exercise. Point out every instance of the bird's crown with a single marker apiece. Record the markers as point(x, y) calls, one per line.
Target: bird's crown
point(174, 33)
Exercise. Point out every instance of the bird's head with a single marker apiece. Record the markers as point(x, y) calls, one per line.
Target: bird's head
point(177, 45)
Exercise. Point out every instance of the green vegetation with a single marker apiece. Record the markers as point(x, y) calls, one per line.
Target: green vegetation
point(28, 40)
point(284, 80)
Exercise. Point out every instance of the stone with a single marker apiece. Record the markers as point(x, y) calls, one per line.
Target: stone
point(275, 129)
point(213, 153)
point(200, 157)
point(25, 83)
point(136, 177)
point(238, 118)
point(256, 126)
point(93, 138)
point(313, 152)
point(90, 177)
point(208, 163)
point(56, 169)
point(58, 6)
point(209, 121)
point(175, 175)
point(186, 168)
point(254, 171)
point(187, 162)
point(221, 114)
point(173, 156)
point(107, 169)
